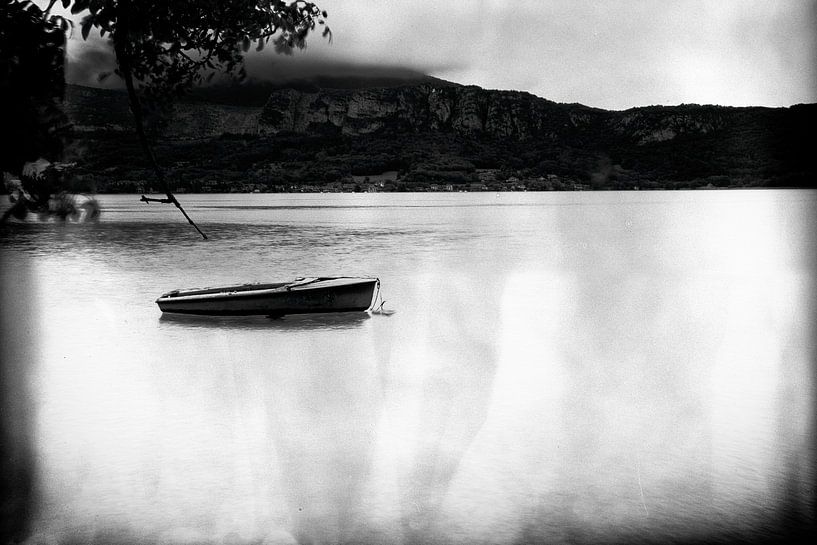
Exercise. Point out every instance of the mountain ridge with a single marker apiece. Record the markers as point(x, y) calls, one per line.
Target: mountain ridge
point(425, 125)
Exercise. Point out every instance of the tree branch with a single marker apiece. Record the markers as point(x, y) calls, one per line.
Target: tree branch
point(150, 200)
point(48, 9)
point(122, 55)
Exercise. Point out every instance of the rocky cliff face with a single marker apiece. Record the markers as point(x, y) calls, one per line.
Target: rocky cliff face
point(474, 111)
point(465, 110)
point(197, 120)
point(659, 124)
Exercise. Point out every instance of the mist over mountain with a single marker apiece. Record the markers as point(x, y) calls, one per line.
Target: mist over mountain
point(94, 64)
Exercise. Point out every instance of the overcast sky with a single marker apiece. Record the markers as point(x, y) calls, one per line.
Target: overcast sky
point(611, 54)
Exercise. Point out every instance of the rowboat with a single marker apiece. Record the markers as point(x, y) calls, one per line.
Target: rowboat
point(300, 296)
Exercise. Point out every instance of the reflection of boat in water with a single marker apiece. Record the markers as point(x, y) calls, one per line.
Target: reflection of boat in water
point(295, 322)
point(301, 296)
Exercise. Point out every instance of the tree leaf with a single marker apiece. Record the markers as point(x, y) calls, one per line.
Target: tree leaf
point(80, 5)
point(87, 23)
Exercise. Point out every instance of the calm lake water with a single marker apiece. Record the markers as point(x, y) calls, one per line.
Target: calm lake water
point(561, 368)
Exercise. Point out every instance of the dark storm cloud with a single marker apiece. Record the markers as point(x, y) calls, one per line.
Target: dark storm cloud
point(330, 72)
point(92, 64)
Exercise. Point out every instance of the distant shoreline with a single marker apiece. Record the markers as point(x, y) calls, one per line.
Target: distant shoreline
point(731, 188)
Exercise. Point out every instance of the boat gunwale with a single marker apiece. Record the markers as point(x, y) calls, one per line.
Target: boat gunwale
point(251, 290)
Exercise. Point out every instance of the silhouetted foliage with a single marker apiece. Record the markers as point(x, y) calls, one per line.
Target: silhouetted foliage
point(165, 47)
point(32, 81)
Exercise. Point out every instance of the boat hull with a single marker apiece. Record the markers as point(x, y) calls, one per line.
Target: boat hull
point(305, 296)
